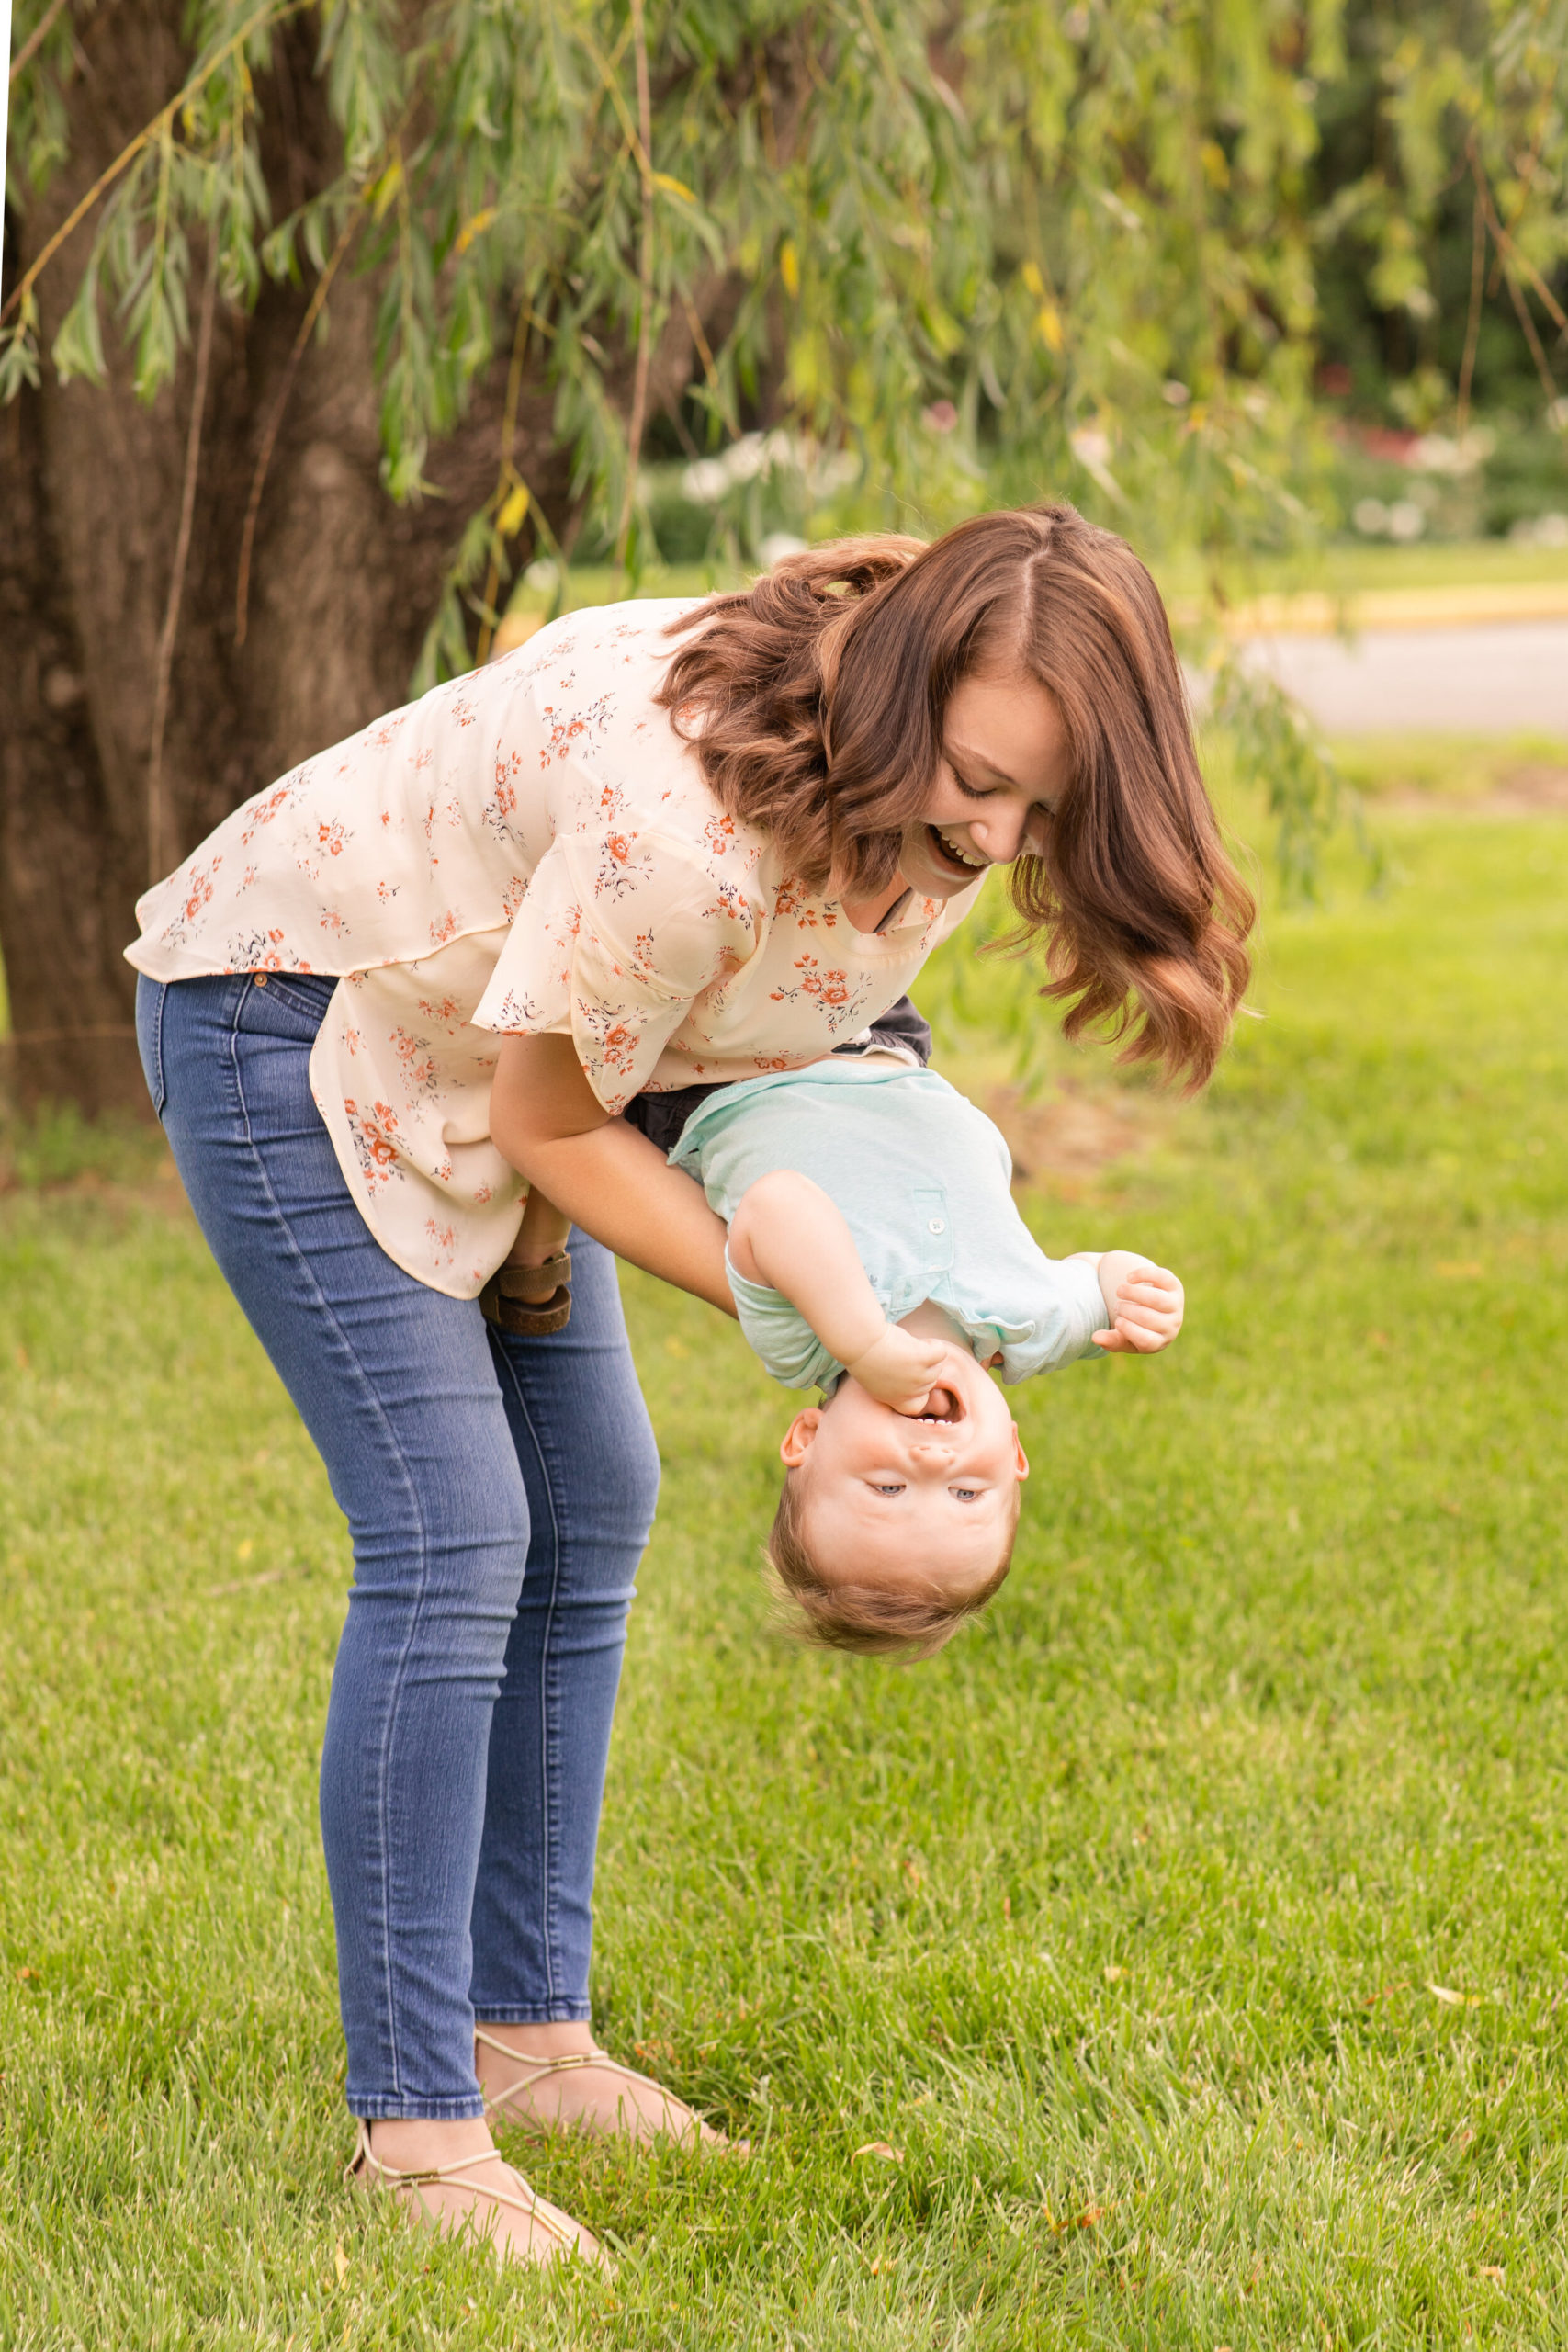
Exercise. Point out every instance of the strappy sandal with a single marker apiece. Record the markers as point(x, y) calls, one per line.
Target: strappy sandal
point(367, 2172)
point(539, 2069)
point(530, 1302)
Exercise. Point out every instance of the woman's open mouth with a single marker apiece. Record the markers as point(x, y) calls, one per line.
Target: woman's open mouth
point(949, 859)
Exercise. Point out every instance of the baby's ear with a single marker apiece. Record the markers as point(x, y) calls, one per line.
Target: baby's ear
point(1019, 1457)
point(797, 1440)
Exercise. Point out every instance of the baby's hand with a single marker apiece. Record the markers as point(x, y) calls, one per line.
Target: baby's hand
point(897, 1369)
point(1143, 1304)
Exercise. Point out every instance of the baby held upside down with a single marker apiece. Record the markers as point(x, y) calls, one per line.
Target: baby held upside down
point(875, 1252)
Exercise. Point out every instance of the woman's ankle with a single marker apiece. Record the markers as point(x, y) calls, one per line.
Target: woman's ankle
point(422, 2143)
point(561, 2038)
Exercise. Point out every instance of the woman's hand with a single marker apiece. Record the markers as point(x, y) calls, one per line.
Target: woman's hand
point(900, 1368)
point(1144, 1305)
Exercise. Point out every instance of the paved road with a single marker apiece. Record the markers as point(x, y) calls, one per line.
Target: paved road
point(1500, 678)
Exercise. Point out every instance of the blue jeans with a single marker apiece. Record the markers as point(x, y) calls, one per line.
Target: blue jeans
point(499, 1492)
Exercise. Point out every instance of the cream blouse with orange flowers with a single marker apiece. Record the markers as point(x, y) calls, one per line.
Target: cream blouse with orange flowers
point(531, 849)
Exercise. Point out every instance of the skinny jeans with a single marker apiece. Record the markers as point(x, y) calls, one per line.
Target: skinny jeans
point(499, 1492)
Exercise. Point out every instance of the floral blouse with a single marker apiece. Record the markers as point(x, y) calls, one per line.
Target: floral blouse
point(530, 848)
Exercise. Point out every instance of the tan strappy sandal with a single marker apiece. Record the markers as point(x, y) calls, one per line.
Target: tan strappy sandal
point(531, 1302)
point(563, 2235)
point(539, 2069)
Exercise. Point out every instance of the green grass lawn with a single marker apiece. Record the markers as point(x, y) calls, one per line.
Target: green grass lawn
point(1190, 1936)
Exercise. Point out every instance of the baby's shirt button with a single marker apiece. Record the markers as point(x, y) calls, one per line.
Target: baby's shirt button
point(937, 1224)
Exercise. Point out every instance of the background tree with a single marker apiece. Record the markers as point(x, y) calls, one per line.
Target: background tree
point(319, 318)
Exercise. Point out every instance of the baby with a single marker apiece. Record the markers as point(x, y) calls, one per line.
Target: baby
point(875, 1252)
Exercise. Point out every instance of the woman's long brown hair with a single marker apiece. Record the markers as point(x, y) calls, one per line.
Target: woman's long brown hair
point(815, 701)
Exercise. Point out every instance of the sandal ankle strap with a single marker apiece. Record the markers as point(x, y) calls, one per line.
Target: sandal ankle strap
point(367, 2167)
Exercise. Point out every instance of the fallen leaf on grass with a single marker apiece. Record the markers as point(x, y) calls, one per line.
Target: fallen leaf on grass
point(880, 2148)
point(340, 2260)
point(1084, 2221)
point(1454, 2000)
point(1493, 2270)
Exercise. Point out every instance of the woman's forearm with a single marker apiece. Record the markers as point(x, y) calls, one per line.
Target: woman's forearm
point(600, 1173)
point(620, 1188)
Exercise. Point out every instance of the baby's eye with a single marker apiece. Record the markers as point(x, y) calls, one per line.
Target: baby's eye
point(885, 1490)
point(966, 1494)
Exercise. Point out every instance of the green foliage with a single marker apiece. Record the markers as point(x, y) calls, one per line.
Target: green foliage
point(1441, 229)
point(1191, 1932)
point(1022, 251)
point(1090, 230)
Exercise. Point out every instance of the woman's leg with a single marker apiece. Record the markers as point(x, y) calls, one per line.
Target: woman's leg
point(590, 1473)
point(398, 1387)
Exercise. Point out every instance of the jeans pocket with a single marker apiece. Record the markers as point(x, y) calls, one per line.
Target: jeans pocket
point(290, 1005)
point(149, 1000)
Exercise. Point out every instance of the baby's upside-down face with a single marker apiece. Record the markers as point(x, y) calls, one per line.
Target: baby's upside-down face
point(927, 1501)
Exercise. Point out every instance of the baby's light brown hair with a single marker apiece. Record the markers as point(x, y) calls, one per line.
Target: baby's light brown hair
point(876, 1620)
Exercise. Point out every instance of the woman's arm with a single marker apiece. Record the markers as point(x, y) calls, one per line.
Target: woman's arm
point(547, 1120)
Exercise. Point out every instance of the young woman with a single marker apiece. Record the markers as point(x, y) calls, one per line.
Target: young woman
point(662, 846)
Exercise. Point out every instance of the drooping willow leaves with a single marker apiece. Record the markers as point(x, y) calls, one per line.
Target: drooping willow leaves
point(1090, 230)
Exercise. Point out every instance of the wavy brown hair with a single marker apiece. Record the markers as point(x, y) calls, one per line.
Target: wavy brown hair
point(815, 701)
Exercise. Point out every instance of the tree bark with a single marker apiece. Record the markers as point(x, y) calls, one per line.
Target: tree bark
point(343, 582)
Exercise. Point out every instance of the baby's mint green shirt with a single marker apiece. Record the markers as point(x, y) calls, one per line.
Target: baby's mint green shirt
point(922, 1178)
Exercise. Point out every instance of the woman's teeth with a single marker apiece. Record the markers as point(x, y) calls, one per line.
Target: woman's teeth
point(962, 852)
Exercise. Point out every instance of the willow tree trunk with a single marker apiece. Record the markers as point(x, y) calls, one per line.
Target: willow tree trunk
point(343, 582)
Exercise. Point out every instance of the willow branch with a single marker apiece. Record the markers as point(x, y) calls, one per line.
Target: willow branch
point(36, 38)
point(177, 576)
point(644, 311)
point(275, 420)
point(1477, 287)
point(274, 12)
point(504, 478)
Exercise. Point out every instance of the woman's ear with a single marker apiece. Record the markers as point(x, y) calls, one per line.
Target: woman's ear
point(1019, 1457)
point(797, 1440)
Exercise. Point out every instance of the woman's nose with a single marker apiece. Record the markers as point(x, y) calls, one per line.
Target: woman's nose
point(1007, 834)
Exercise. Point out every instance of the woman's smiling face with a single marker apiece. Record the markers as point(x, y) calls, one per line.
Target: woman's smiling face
point(1006, 763)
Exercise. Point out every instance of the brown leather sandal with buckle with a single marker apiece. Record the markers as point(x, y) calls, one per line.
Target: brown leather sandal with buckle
point(530, 1302)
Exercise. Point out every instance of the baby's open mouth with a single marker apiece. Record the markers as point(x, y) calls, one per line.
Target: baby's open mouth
point(941, 1405)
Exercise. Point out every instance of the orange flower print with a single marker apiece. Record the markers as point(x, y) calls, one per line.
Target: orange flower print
point(440, 932)
point(620, 1046)
point(719, 833)
point(835, 988)
point(620, 849)
point(374, 1136)
point(332, 837)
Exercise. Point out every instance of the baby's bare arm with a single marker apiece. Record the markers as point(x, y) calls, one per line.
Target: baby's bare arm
point(786, 1233)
